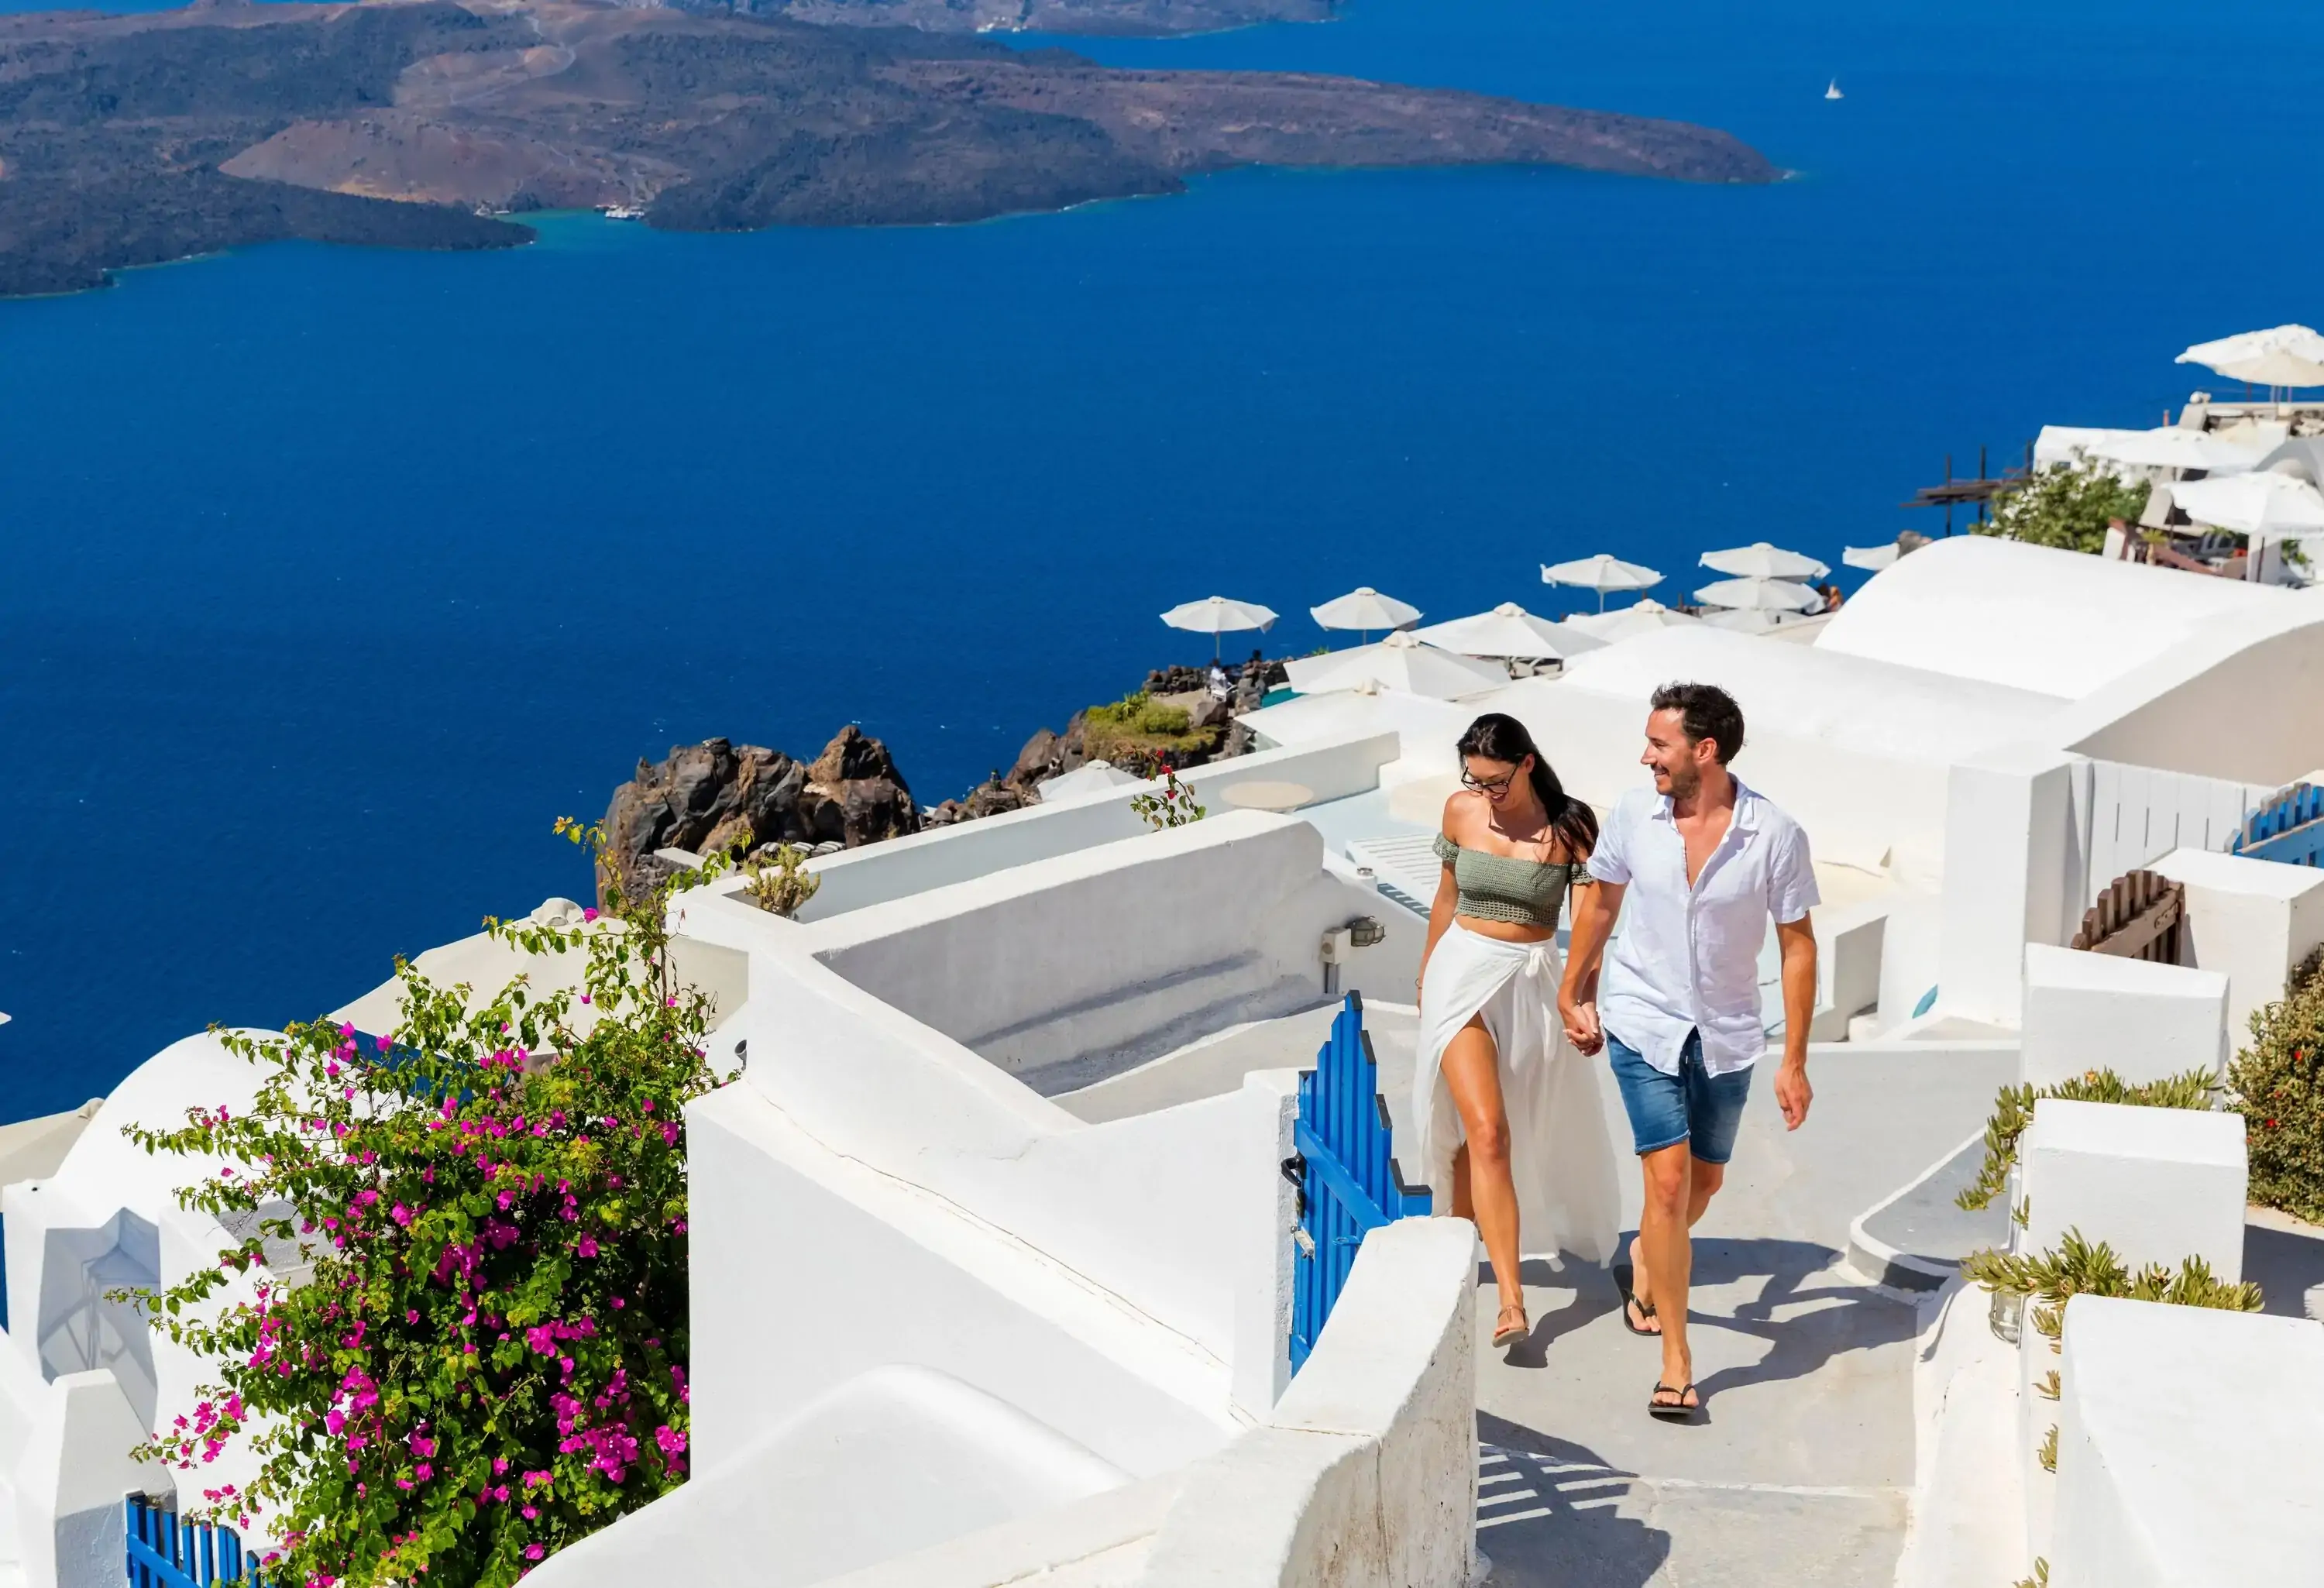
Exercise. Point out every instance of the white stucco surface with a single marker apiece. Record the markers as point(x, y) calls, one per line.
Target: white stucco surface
point(1331, 765)
point(1068, 969)
point(2158, 1185)
point(2253, 921)
point(2010, 851)
point(2240, 695)
point(883, 1463)
point(1365, 1476)
point(1818, 692)
point(2187, 1448)
point(2031, 618)
point(902, 1275)
point(2143, 1021)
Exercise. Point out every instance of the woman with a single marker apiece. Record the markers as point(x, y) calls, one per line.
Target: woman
point(1507, 1112)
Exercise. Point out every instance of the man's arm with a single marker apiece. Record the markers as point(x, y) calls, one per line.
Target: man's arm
point(1595, 909)
point(1796, 942)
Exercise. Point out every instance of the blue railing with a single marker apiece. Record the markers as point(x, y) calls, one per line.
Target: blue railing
point(1348, 1179)
point(2289, 828)
point(167, 1551)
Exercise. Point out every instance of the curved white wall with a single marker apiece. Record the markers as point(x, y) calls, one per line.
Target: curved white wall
point(2060, 623)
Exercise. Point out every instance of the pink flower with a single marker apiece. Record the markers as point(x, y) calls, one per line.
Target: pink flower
point(589, 914)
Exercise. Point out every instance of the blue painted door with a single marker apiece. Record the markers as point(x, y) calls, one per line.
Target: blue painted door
point(1349, 1182)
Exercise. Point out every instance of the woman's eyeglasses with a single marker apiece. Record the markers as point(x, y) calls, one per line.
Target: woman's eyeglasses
point(1487, 785)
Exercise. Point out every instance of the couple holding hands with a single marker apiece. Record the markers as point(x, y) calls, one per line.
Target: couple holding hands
point(1506, 1102)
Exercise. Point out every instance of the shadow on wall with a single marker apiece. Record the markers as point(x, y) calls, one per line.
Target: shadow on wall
point(2286, 1264)
point(81, 1327)
point(1569, 1531)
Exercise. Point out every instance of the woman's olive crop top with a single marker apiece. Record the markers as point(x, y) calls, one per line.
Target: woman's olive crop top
point(1503, 887)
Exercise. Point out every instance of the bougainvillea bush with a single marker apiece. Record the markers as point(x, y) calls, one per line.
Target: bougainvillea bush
point(2275, 1083)
point(482, 1355)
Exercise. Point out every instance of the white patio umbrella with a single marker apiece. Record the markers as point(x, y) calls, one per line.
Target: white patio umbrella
point(1509, 630)
point(1600, 573)
point(1642, 618)
point(1364, 609)
point(1871, 558)
point(1402, 662)
point(2176, 446)
point(2281, 355)
point(1760, 560)
point(2267, 504)
point(1760, 596)
point(1215, 615)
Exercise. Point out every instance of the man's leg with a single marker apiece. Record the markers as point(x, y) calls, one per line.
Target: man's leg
point(1703, 1180)
point(1667, 1253)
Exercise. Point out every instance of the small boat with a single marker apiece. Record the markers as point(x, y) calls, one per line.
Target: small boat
point(624, 212)
point(1833, 92)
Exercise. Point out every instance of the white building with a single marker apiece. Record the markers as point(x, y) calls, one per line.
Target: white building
point(992, 1247)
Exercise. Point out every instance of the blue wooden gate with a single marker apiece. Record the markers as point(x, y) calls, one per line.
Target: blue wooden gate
point(167, 1551)
point(1348, 1179)
point(2289, 828)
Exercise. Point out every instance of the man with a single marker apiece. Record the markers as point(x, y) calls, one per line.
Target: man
point(1703, 863)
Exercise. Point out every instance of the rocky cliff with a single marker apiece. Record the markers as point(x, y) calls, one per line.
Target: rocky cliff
point(130, 139)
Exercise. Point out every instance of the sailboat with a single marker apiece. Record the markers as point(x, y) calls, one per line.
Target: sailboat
point(1833, 92)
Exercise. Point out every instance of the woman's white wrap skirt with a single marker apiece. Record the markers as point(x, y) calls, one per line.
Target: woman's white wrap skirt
point(1560, 1155)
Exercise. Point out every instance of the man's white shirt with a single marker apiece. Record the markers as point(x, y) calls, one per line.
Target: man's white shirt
point(1687, 958)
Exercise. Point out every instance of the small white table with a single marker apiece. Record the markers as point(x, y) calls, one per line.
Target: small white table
point(1256, 795)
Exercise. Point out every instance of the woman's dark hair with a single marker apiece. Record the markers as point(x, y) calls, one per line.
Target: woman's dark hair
point(1497, 736)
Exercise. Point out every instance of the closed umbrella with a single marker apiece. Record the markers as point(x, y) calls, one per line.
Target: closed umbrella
point(1760, 560)
point(1600, 573)
point(2268, 504)
point(1364, 609)
point(1509, 630)
point(1402, 662)
point(1643, 618)
point(1215, 615)
point(2281, 355)
point(2176, 446)
point(1760, 596)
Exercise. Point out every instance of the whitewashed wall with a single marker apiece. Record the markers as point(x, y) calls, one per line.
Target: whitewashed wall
point(942, 856)
point(1069, 969)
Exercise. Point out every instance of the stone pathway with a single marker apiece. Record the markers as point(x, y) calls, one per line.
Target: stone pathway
point(1798, 1473)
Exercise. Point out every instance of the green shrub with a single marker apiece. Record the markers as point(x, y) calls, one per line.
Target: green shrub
point(2048, 1280)
point(2275, 1085)
point(486, 1358)
point(2067, 508)
point(1139, 716)
point(2013, 1111)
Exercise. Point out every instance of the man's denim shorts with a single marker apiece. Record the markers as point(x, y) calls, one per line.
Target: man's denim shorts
point(1691, 1106)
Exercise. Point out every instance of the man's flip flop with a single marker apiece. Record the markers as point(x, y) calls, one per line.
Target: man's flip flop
point(1673, 1411)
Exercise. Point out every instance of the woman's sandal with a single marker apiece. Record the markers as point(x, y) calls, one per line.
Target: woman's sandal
point(1629, 1300)
point(1673, 1411)
point(1507, 1334)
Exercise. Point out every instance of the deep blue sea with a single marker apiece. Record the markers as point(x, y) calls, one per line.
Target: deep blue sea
point(328, 578)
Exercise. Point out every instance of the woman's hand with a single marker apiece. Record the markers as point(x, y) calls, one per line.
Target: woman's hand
point(1582, 1027)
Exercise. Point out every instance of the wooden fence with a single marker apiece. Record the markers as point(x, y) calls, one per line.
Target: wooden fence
point(2140, 916)
point(2289, 828)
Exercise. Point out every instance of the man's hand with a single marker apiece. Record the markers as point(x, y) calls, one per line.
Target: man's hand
point(1582, 1027)
point(1792, 1093)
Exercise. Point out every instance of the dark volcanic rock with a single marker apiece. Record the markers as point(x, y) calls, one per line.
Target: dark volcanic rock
point(717, 794)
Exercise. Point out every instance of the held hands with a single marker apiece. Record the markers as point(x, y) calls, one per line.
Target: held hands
point(1792, 1093)
point(1582, 1027)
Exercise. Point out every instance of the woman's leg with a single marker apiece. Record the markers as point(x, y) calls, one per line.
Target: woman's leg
point(1472, 1074)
